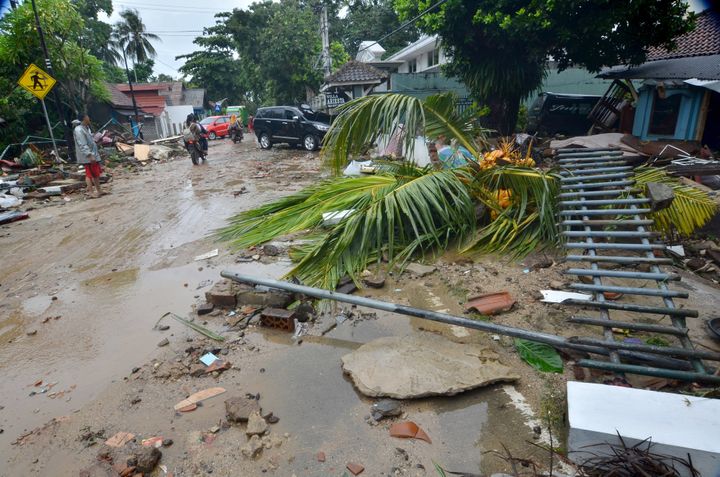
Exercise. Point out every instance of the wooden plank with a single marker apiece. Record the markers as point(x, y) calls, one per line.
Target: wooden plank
point(142, 151)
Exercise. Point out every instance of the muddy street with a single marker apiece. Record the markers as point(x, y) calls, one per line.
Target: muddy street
point(85, 282)
point(105, 270)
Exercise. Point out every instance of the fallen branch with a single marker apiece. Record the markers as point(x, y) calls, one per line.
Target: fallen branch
point(199, 328)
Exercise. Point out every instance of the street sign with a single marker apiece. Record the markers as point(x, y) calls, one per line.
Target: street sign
point(218, 107)
point(36, 81)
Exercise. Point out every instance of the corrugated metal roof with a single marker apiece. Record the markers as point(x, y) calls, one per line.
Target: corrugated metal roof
point(703, 40)
point(700, 67)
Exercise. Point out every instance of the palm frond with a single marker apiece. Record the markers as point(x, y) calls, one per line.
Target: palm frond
point(528, 222)
point(418, 215)
point(691, 209)
point(362, 121)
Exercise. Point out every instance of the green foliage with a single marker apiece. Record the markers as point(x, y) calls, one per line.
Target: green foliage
point(371, 20)
point(500, 47)
point(132, 37)
point(361, 121)
point(213, 66)
point(142, 71)
point(690, 210)
point(400, 211)
point(540, 356)
point(338, 55)
point(657, 341)
point(79, 74)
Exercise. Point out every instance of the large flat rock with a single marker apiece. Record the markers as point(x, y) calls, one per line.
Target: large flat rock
point(422, 365)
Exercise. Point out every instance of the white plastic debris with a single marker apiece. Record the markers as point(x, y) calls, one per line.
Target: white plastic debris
point(355, 168)
point(334, 218)
point(7, 201)
point(205, 256)
point(677, 250)
point(555, 296)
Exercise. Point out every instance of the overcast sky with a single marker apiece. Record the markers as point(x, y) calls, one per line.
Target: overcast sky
point(178, 22)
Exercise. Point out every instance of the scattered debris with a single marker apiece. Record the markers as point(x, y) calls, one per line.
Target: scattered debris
point(205, 256)
point(253, 447)
point(555, 296)
point(195, 398)
point(422, 365)
point(419, 269)
point(256, 425)
point(490, 303)
point(320, 456)
point(208, 358)
point(200, 329)
point(164, 342)
point(385, 408)
point(239, 409)
point(152, 442)
point(355, 469)
point(146, 458)
point(278, 318)
point(409, 430)
point(120, 439)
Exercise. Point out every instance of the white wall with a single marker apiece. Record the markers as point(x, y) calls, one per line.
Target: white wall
point(174, 119)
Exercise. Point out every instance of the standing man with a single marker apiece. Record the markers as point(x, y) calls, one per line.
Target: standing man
point(87, 154)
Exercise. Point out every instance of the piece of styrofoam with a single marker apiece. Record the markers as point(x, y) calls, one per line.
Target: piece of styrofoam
point(677, 424)
point(557, 296)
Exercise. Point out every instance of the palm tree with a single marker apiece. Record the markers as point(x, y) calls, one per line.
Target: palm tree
point(404, 210)
point(133, 39)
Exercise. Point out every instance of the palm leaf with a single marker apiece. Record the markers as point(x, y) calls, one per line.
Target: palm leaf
point(528, 222)
point(362, 121)
point(691, 209)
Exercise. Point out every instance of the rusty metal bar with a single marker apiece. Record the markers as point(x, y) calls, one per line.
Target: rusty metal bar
point(699, 377)
point(623, 274)
point(655, 310)
point(665, 350)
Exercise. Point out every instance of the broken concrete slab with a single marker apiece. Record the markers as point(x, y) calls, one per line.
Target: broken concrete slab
point(422, 365)
point(660, 195)
point(253, 447)
point(205, 308)
point(256, 425)
point(419, 269)
point(260, 297)
point(239, 409)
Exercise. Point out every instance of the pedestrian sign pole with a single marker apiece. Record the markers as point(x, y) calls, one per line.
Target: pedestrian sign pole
point(39, 83)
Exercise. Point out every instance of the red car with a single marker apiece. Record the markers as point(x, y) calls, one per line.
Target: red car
point(216, 126)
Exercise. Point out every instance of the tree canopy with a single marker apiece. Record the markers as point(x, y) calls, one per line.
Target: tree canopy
point(500, 48)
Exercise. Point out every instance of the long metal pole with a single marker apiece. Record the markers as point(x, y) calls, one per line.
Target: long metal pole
point(52, 135)
point(48, 65)
point(486, 326)
point(132, 92)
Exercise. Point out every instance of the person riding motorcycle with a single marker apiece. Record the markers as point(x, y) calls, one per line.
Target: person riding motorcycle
point(235, 129)
point(192, 136)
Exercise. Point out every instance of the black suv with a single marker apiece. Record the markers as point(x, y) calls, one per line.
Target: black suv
point(288, 124)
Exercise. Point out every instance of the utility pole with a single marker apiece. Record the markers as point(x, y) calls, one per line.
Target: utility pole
point(327, 62)
point(132, 92)
point(48, 65)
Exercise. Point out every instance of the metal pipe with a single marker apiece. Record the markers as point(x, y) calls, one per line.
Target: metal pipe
point(576, 203)
point(597, 185)
point(586, 149)
point(656, 310)
point(650, 371)
point(485, 326)
point(617, 246)
point(617, 259)
point(670, 330)
point(598, 193)
point(566, 213)
point(601, 233)
point(664, 350)
point(623, 274)
point(593, 164)
point(594, 170)
point(579, 156)
point(602, 222)
point(628, 290)
point(593, 177)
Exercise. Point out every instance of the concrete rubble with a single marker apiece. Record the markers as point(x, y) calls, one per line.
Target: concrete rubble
point(417, 366)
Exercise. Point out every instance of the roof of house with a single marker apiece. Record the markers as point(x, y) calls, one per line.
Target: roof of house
point(356, 72)
point(700, 67)
point(147, 96)
point(703, 40)
point(144, 86)
point(194, 97)
point(118, 98)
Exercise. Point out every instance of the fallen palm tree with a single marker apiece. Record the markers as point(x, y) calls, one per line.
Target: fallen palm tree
point(497, 203)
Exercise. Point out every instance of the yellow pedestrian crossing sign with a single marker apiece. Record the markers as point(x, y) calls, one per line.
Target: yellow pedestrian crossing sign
point(36, 81)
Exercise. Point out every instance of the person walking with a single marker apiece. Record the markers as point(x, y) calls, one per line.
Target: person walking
point(87, 154)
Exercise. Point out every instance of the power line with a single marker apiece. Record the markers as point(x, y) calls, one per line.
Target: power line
point(407, 23)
